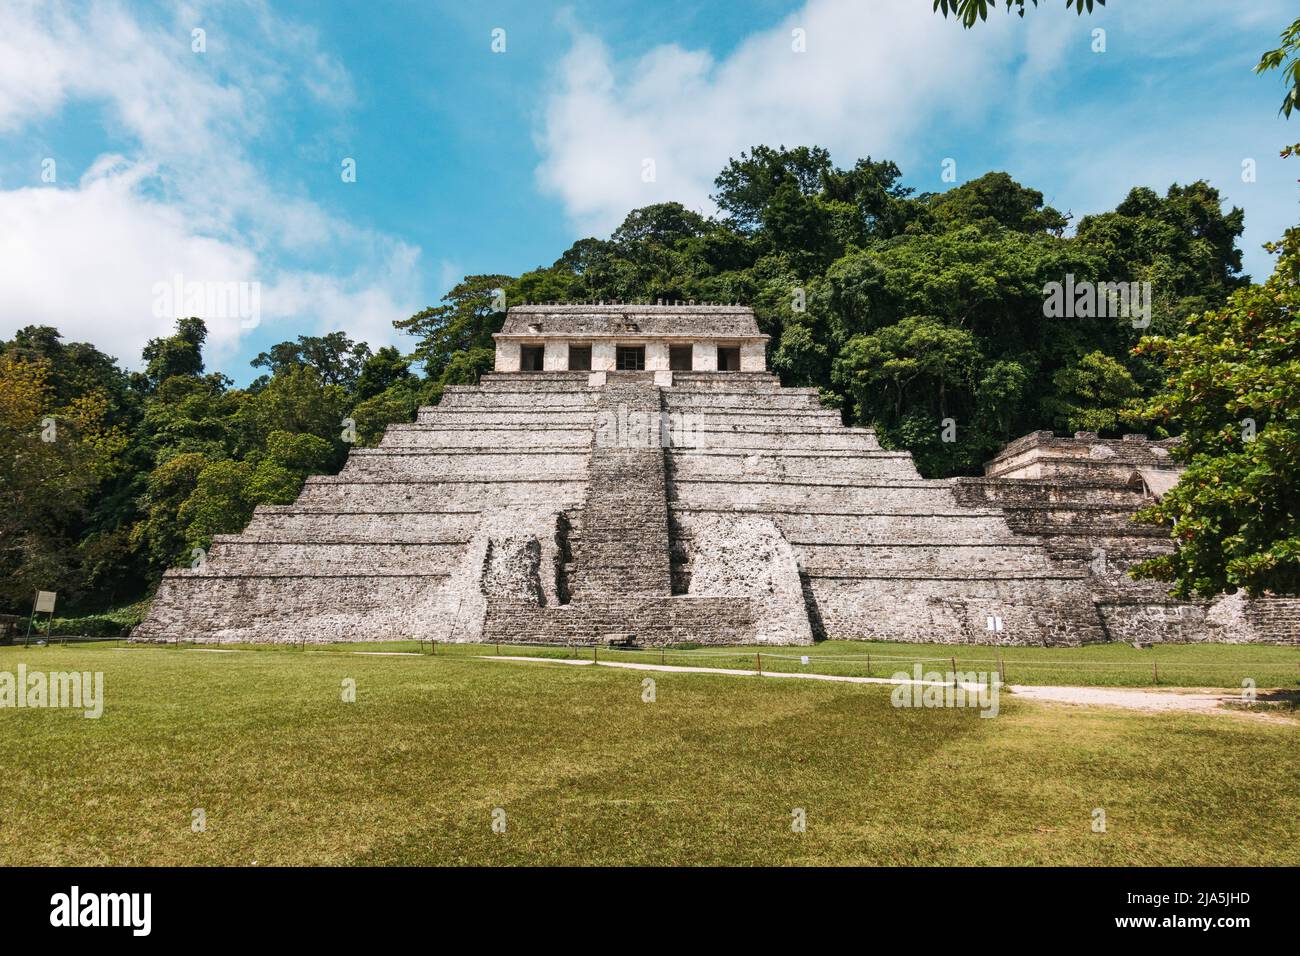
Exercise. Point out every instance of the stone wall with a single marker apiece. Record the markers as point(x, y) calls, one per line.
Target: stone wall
point(411, 538)
point(739, 555)
point(603, 327)
point(879, 551)
point(649, 621)
point(1043, 455)
point(1078, 496)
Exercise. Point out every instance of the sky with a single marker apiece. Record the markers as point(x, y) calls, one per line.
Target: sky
point(140, 158)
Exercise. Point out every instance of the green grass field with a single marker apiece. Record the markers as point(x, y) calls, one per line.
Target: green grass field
point(1101, 665)
point(586, 772)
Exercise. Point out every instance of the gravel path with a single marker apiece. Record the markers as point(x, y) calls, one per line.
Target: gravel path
point(1132, 698)
point(731, 671)
point(1165, 701)
point(1184, 701)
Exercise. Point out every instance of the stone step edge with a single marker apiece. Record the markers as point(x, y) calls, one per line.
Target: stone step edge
point(790, 510)
point(983, 578)
point(192, 574)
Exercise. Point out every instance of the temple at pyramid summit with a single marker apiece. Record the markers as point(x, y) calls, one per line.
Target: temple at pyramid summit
point(635, 472)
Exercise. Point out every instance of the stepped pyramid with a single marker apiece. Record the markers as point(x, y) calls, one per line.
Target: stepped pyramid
point(633, 470)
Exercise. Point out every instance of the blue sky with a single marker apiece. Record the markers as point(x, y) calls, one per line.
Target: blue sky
point(224, 165)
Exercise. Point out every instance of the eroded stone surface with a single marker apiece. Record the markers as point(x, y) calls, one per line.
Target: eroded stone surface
point(746, 555)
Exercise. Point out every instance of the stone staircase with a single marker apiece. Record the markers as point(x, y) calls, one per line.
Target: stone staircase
point(624, 546)
point(1086, 515)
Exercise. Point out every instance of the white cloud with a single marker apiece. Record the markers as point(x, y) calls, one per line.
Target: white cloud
point(893, 80)
point(188, 200)
point(872, 74)
point(363, 304)
point(85, 260)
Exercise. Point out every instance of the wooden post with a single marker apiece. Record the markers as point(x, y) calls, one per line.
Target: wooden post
point(759, 659)
point(663, 655)
point(595, 653)
point(1155, 671)
point(953, 661)
point(1002, 670)
point(28, 641)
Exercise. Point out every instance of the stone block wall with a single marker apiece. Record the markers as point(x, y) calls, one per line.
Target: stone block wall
point(556, 357)
point(1043, 455)
point(879, 551)
point(1077, 496)
point(753, 357)
point(410, 538)
point(650, 621)
point(745, 556)
point(1265, 620)
point(1042, 610)
point(508, 357)
point(513, 512)
point(704, 356)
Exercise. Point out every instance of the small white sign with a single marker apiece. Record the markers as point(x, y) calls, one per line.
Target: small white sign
point(804, 659)
point(45, 602)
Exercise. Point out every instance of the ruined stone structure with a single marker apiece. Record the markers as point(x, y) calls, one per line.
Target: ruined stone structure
point(635, 470)
point(1078, 496)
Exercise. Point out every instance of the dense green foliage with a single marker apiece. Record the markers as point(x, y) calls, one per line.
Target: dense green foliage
point(1234, 394)
point(1231, 372)
point(109, 478)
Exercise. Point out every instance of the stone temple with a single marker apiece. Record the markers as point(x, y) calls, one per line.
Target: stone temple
point(635, 470)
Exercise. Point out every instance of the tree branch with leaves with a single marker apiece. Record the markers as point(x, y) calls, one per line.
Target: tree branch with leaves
point(971, 11)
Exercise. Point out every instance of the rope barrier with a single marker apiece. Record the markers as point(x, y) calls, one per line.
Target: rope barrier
point(743, 657)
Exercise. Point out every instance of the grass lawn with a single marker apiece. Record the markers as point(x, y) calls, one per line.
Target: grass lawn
point(1102, 665)
point(1099, 665)
point(586, 772)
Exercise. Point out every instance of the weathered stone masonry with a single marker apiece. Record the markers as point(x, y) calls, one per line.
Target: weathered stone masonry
point(642, 491)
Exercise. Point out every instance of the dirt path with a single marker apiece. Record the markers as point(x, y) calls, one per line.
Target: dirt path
point(730, 671)
point(1132, 698)
point(1184, 701)
point(1159, 701)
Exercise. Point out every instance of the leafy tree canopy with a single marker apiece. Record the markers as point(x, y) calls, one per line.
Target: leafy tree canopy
point(178, 354)
point(1286, 58)
point(1233, 392)
point(473, 310)
point(335, 357)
